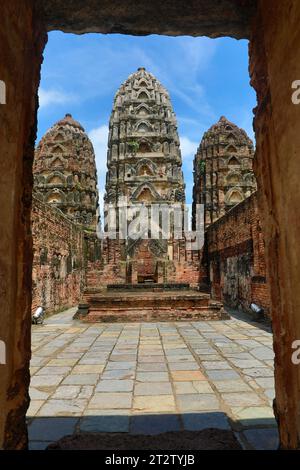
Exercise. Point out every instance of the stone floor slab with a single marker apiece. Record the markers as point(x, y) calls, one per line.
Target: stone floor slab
point(213, 365)
point(81, 379)
point(61, 407)
point(153, 388)
point(105, 400)
point(154, 403)
point(197, 402)
point(200, 421)
point(232, 386)
point(41, 381)
point(242, 399)
point(120, 365)
point(186, 375)
point(50, 429)
point(152, 377)
point(262, 439)
point(183, 366)
point(114, 386)
point(254, 415)
point(115, 374)
point(88, 369)
point(215, 375)
point(151, 367)
point(154, 424)
point(105, 423)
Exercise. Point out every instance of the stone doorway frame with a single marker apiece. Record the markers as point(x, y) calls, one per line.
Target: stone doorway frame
point(272, 27)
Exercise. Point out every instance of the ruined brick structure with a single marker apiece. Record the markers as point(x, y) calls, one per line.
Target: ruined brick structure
point(65, 171)
point(223, 169)
point(144, 173)
point(114, 266)
point(235, 255)
point(64, 215)
point(58, 275)
point(144, 159)
point(234, 248)
point(272, 26)
point(144, 167)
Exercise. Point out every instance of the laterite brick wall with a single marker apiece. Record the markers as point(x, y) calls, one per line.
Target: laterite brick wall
point(236, 257)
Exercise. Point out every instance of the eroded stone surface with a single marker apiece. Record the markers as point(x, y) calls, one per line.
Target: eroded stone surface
point(136, 397)
point(226, 151)
point(200, 18)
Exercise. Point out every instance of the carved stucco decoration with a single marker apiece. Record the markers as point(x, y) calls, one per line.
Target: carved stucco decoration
point(65, 171)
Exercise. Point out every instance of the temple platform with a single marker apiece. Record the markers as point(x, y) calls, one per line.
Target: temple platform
point(145, 302)
point(147, 286)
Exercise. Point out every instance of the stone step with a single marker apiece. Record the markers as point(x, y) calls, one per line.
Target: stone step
point(148, 306)
point(124, 302)
point(149, 286)
point(150, 315)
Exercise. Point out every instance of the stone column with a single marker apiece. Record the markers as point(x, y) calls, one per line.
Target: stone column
point(21, 45)
point(274, 65)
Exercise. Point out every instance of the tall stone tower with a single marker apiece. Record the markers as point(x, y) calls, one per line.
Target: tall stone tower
point(223, 169)
point(65, 171)
point(144, 167)
point(144, 172)
point(144, 159)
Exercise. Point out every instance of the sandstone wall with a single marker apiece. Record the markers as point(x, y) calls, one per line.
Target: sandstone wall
point(172, 17)
point(236, 257)
point(21, 44)
point(58, 273)
point(274, 65)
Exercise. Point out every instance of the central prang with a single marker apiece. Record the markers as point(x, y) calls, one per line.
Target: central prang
point(144, 276)
point(144, 168)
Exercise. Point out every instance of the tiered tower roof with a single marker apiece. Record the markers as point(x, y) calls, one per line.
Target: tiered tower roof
point(65, 171)
point(144, 159)
point(223, 169)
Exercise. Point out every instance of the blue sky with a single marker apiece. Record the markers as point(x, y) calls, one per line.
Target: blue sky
point(206, 78)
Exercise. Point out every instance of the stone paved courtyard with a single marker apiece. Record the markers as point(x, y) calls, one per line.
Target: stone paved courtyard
point(147, 378)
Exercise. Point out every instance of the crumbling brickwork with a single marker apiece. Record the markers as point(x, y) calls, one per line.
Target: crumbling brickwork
point(63, 253)
point(65, 173)
point(112, 268)
point(58, 274)
point(236, 257)
point(144, 169)
point(223, 173)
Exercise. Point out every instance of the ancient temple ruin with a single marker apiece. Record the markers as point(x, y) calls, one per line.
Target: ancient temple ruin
point(118, 274)
point(64, 214)
point(144, 172)
point(144, 167)
point(223, 169)
point(144, 159)
point(65, 171)
point(271, 27)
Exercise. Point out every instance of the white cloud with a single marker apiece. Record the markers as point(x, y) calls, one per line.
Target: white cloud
point(99, 136)
point(188, 148)
point(50, 97)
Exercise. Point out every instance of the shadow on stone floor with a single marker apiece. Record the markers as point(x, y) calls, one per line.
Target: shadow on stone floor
point(263, 324)
point(189, 431)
